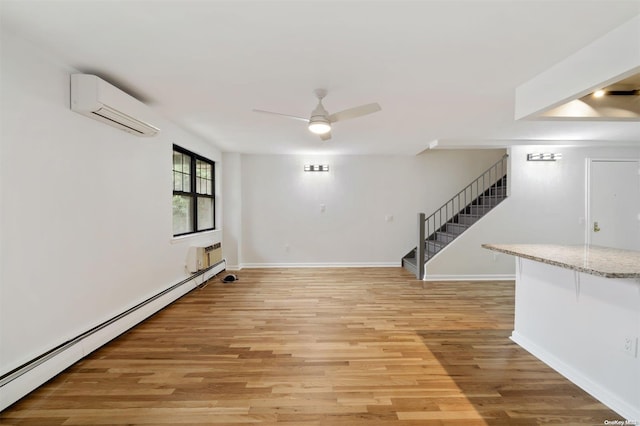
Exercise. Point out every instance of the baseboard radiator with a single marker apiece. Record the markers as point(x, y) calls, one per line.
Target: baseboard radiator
point(19, 382)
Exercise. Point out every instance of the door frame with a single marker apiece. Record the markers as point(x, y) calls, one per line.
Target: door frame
point(587, 198)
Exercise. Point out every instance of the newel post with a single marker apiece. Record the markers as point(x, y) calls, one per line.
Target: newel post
point(420, 247)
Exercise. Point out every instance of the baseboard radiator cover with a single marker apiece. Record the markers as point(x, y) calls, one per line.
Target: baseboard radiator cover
point(26, 378)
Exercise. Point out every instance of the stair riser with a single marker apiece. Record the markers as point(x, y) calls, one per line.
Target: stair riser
point(432, 248)
point(409, 266)
point(453, 228)
point(467, 220)
point(479, 210)
point(490, 201)
point(500, 192)
point(445, 238)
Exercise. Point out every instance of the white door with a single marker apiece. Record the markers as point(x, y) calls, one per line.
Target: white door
point(614, 204)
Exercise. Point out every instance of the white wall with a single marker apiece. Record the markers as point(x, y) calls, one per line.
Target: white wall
point(283, 223)
point(546, 205)
point(85, 217)
point(232, 214)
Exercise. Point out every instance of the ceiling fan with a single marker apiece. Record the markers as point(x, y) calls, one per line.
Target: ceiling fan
point(320, 121)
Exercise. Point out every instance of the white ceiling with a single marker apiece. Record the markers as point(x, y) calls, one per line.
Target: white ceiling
point(441, 70)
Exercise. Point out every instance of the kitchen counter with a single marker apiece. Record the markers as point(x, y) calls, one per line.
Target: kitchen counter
point(577, 308)
point(594, 260)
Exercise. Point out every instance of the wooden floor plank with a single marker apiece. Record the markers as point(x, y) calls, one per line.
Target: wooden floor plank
point(352, 346)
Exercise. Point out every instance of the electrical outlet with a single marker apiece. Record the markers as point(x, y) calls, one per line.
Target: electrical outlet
point(630, 345)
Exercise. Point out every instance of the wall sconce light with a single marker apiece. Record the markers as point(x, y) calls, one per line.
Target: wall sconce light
point(547, 156)
point(316, 167)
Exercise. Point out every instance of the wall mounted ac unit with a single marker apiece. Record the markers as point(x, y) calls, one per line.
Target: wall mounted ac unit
point(97, 99)
point(199, 258)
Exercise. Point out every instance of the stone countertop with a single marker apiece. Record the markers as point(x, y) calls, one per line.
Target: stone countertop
point(595, 260)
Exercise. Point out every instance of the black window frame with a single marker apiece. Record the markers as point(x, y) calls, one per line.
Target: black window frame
point(193, 189)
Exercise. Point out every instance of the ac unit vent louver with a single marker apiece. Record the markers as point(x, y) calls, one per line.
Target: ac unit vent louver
point(97, 99)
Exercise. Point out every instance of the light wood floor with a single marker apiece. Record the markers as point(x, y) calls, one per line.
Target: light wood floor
point(317, 347)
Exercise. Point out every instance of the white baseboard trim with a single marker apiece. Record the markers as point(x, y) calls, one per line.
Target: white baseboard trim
point(234, 268)
point(489, 277)
point(324, 265)
point(15, 387)
point(626, 410)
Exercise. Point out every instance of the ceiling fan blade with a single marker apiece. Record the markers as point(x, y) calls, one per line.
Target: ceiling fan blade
point(325, 136)
point(355, 112)
point(283, 115)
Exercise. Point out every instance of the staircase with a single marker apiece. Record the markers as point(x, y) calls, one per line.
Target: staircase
point(457, 215)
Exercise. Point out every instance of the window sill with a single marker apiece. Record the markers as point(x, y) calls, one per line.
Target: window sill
point(197, 236)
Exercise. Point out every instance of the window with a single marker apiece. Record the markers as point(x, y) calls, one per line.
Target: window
point(193, 192)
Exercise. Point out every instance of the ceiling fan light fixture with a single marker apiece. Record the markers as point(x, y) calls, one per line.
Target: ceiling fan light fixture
point(320, 121)
point(319, 125)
